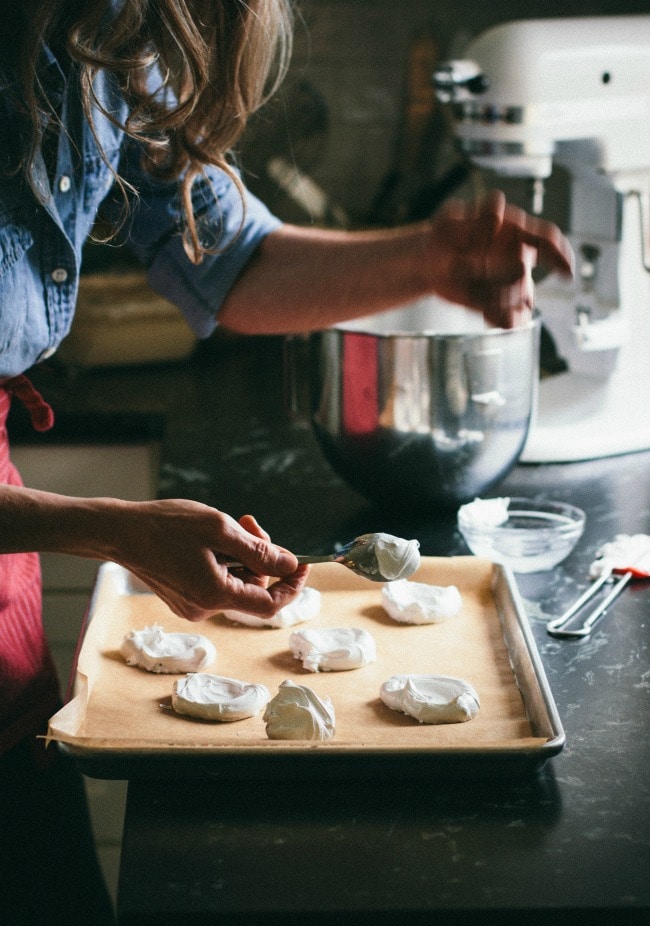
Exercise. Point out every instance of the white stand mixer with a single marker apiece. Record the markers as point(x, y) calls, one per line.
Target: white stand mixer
point(575, 92)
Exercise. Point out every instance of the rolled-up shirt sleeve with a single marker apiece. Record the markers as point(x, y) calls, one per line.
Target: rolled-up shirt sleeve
point(231, 223)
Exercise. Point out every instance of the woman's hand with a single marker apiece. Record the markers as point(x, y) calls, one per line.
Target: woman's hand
point(482, 254)
point(179, 549)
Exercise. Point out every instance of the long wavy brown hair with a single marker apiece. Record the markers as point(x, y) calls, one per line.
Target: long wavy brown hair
point(221, 59)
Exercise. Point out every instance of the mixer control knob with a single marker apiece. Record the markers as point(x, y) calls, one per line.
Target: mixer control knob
point(457, 76)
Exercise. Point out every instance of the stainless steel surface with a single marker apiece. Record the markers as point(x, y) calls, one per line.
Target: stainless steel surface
point(415, 418)
point(559, 627)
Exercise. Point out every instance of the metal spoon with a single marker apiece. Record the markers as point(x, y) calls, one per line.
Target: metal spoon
point(378, 557)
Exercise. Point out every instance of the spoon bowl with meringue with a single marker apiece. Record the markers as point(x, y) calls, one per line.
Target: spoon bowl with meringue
point(378, 557)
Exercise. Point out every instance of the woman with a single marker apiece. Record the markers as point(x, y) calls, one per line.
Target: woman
point(129, 110)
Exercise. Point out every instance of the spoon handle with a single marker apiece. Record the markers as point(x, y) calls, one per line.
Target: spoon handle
point(302, 560)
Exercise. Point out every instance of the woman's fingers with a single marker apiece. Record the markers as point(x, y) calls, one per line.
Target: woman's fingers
point(180, 549)
point(553, 249)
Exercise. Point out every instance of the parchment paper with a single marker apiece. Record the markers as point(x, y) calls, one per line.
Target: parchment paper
point(118, 707)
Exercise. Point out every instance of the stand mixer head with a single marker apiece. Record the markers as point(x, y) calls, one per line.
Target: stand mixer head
point(575, 93)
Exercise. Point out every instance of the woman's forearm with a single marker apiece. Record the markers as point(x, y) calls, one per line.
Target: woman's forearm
point(32, 520)
point(308, 279)
point(477, 255)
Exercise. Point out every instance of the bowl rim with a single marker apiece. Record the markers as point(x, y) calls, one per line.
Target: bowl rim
point(347, 327)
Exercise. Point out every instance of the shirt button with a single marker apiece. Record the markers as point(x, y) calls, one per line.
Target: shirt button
point(60, 275)
point(64, 183)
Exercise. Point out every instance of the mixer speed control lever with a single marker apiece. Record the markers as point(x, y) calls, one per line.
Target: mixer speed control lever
point(589, 265)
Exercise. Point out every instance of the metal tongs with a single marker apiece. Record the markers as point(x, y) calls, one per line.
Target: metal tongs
point(558, 627)
point(626, 557)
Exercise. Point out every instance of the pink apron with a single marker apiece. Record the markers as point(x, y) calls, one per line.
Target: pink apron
point(29, 690)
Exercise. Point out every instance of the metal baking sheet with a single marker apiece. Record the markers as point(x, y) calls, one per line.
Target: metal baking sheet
point(118, 723)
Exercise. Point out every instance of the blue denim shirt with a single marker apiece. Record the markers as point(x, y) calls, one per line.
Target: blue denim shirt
point(40, 243)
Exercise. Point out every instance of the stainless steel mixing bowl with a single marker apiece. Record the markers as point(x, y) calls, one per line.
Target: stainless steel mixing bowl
point(416, 418)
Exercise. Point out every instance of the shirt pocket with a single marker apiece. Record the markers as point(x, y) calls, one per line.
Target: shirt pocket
point(15, 240)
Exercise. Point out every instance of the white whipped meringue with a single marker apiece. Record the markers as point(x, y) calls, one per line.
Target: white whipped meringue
point(305, 607)
point(397, 558)
point(333, 649)
point(297, 713)
point(156, 650)
point(215, 697)
point(431, 698)
point(484, 512)
point(626, 553)
point(419, 603)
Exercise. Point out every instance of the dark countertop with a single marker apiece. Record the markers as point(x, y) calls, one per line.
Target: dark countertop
point(551, 848)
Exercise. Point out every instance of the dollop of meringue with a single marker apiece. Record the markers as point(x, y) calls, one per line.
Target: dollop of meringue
point(484, 512)
point(297, 713)
point(431, 698)
point(215, 697)
point(626, 553)
point(419, 603)
point(305, 607)
point(397, 558)
point(156, 650)
point(333, 649)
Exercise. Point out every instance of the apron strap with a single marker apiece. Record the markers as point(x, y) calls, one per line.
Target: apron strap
point(41, 414)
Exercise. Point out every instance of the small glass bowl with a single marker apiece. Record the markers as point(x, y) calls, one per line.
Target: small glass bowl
point(535, 537)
